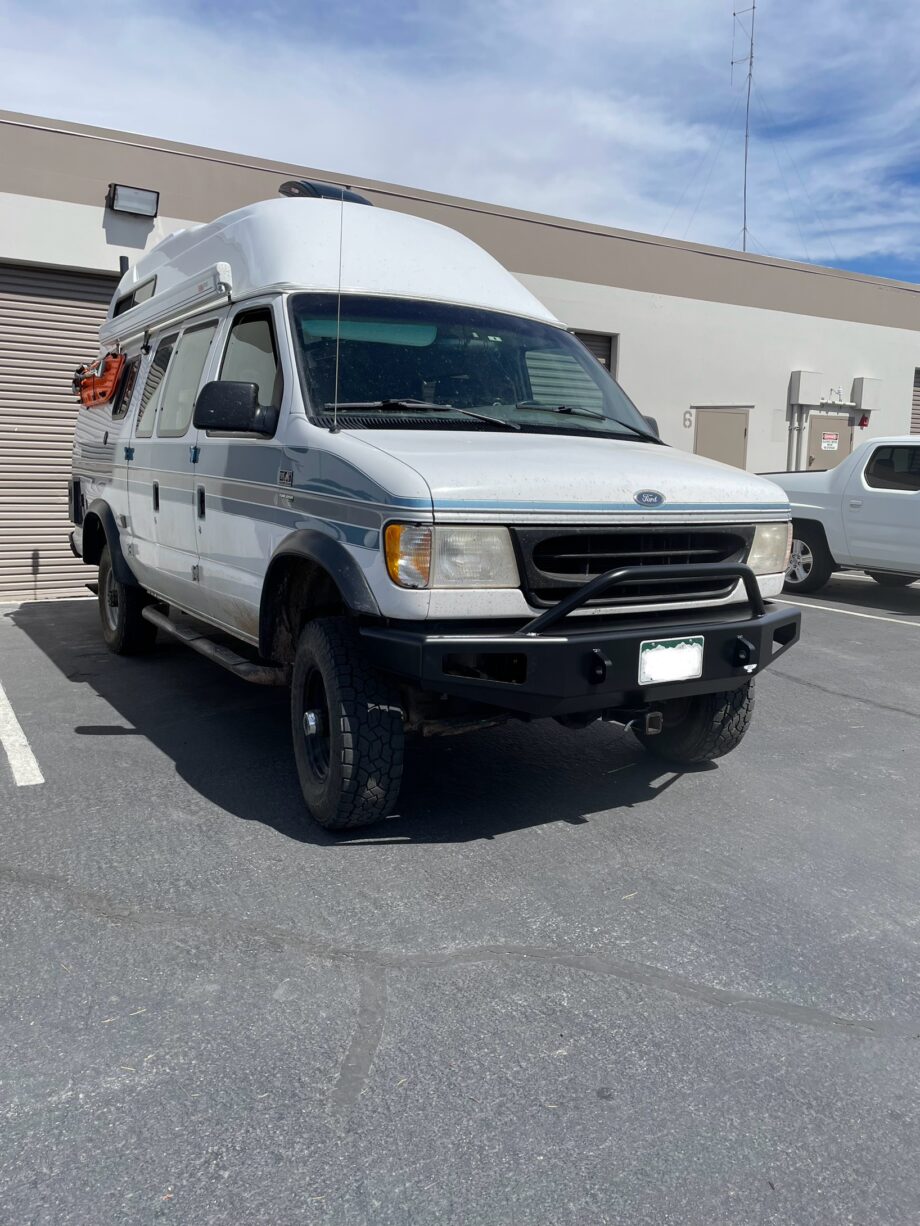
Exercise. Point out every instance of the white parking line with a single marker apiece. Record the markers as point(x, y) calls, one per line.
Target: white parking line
point(823, 608)
point(21, 758)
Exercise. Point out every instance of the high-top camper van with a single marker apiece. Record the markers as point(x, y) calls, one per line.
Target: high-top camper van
point(352, 441)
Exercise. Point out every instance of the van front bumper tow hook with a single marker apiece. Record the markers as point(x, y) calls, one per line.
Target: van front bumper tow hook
point(744, 654)
point(598, 664)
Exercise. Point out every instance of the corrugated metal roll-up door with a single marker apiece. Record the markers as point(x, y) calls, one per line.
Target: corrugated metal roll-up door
point(915, 404)
point(603, 347)
point(49, 323)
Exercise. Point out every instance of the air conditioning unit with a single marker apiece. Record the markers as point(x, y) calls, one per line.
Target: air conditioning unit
point(807, 387)
point(867, 393)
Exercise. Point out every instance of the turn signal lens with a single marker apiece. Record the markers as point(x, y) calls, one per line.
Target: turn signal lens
point(770, 551)
point(408, 552)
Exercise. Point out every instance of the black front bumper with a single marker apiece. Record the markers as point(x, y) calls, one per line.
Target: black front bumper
point(557, 665)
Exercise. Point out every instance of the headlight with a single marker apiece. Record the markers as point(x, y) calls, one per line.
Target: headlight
point(420, 556)
point(770, 551)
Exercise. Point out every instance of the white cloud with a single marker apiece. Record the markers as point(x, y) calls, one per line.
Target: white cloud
point(608, 111)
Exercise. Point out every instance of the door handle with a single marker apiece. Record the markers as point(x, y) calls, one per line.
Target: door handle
point(201, 502)
point(156, 496)
point(856, 503)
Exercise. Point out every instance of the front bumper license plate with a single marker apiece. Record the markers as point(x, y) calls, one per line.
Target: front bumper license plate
point(678, 659)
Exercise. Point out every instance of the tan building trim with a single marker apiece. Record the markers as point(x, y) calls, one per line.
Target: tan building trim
point(73, 162)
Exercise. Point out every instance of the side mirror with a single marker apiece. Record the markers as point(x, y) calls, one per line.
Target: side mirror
point(652, 424)
point(234, 409)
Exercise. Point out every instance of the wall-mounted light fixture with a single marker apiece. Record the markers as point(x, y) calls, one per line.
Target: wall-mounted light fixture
point(138, 201)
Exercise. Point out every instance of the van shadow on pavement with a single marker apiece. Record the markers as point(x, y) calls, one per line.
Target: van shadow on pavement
point(230, 742)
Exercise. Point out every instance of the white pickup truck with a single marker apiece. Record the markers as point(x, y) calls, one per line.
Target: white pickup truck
point(862, 515)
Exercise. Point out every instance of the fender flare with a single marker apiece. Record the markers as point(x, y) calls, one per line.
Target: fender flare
point(102, 510)
point(332, 556)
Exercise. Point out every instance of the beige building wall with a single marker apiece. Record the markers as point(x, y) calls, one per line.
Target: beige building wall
point(697, 326)
point(678, 354)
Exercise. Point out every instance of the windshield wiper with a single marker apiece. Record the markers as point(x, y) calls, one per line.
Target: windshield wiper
point(422, 405)
point(575, 409)
point(580, 411)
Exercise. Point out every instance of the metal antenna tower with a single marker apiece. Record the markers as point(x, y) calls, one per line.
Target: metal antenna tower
point(749, 59)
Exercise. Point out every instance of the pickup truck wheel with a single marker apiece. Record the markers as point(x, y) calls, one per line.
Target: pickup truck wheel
point(892, 580)
point(702, 728)
point(125, 631)
point(810, 562)
point(347, 726)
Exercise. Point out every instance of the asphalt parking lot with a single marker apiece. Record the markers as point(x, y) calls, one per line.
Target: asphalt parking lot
point(564, 985)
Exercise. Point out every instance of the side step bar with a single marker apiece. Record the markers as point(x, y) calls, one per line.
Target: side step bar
point(258, 674)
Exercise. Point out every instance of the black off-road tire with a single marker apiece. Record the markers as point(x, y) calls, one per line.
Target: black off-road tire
point(702, 728)
point(892, 580)
point(126, 633)
point(350, 767)
point(817, 565)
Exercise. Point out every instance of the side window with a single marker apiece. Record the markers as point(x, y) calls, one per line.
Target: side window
point(894, 468)
point(251, 355)
point(141, 294)
point(145, 291)
point(183, 379)
point(148, 405)
point(126, 391)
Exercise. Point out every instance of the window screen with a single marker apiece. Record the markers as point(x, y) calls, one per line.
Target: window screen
point(147, 409)
point(894, 468)
point(126, 391)
point(557, 378)
point(183, 379)
point(251, 356)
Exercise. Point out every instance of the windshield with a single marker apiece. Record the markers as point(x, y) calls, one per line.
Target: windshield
point(410, 363)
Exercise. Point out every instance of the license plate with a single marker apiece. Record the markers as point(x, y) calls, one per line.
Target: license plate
point(670, 659)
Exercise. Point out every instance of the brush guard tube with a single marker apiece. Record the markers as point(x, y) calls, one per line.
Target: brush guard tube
point(555, 665)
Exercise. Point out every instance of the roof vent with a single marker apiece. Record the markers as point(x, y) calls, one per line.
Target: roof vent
point(315, 188)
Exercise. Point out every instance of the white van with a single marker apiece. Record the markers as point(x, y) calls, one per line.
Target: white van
point(351, 440)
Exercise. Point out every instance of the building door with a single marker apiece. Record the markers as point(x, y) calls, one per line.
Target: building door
point(49, 325)
point(721, 434)
point(830, 440)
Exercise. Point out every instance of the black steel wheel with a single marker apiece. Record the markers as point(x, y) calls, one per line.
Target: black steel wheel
point(347, 728)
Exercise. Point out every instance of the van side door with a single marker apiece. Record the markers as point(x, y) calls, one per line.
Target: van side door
point(881, 509)
point(142, 474)
point(175, 456)
point(241, 515)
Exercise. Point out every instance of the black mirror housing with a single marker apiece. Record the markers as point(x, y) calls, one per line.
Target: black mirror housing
point(233, 408)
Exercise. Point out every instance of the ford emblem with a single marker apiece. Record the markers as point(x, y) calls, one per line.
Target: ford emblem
point(648, 498)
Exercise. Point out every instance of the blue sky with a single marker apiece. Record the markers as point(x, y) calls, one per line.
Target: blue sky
point(612, 111)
